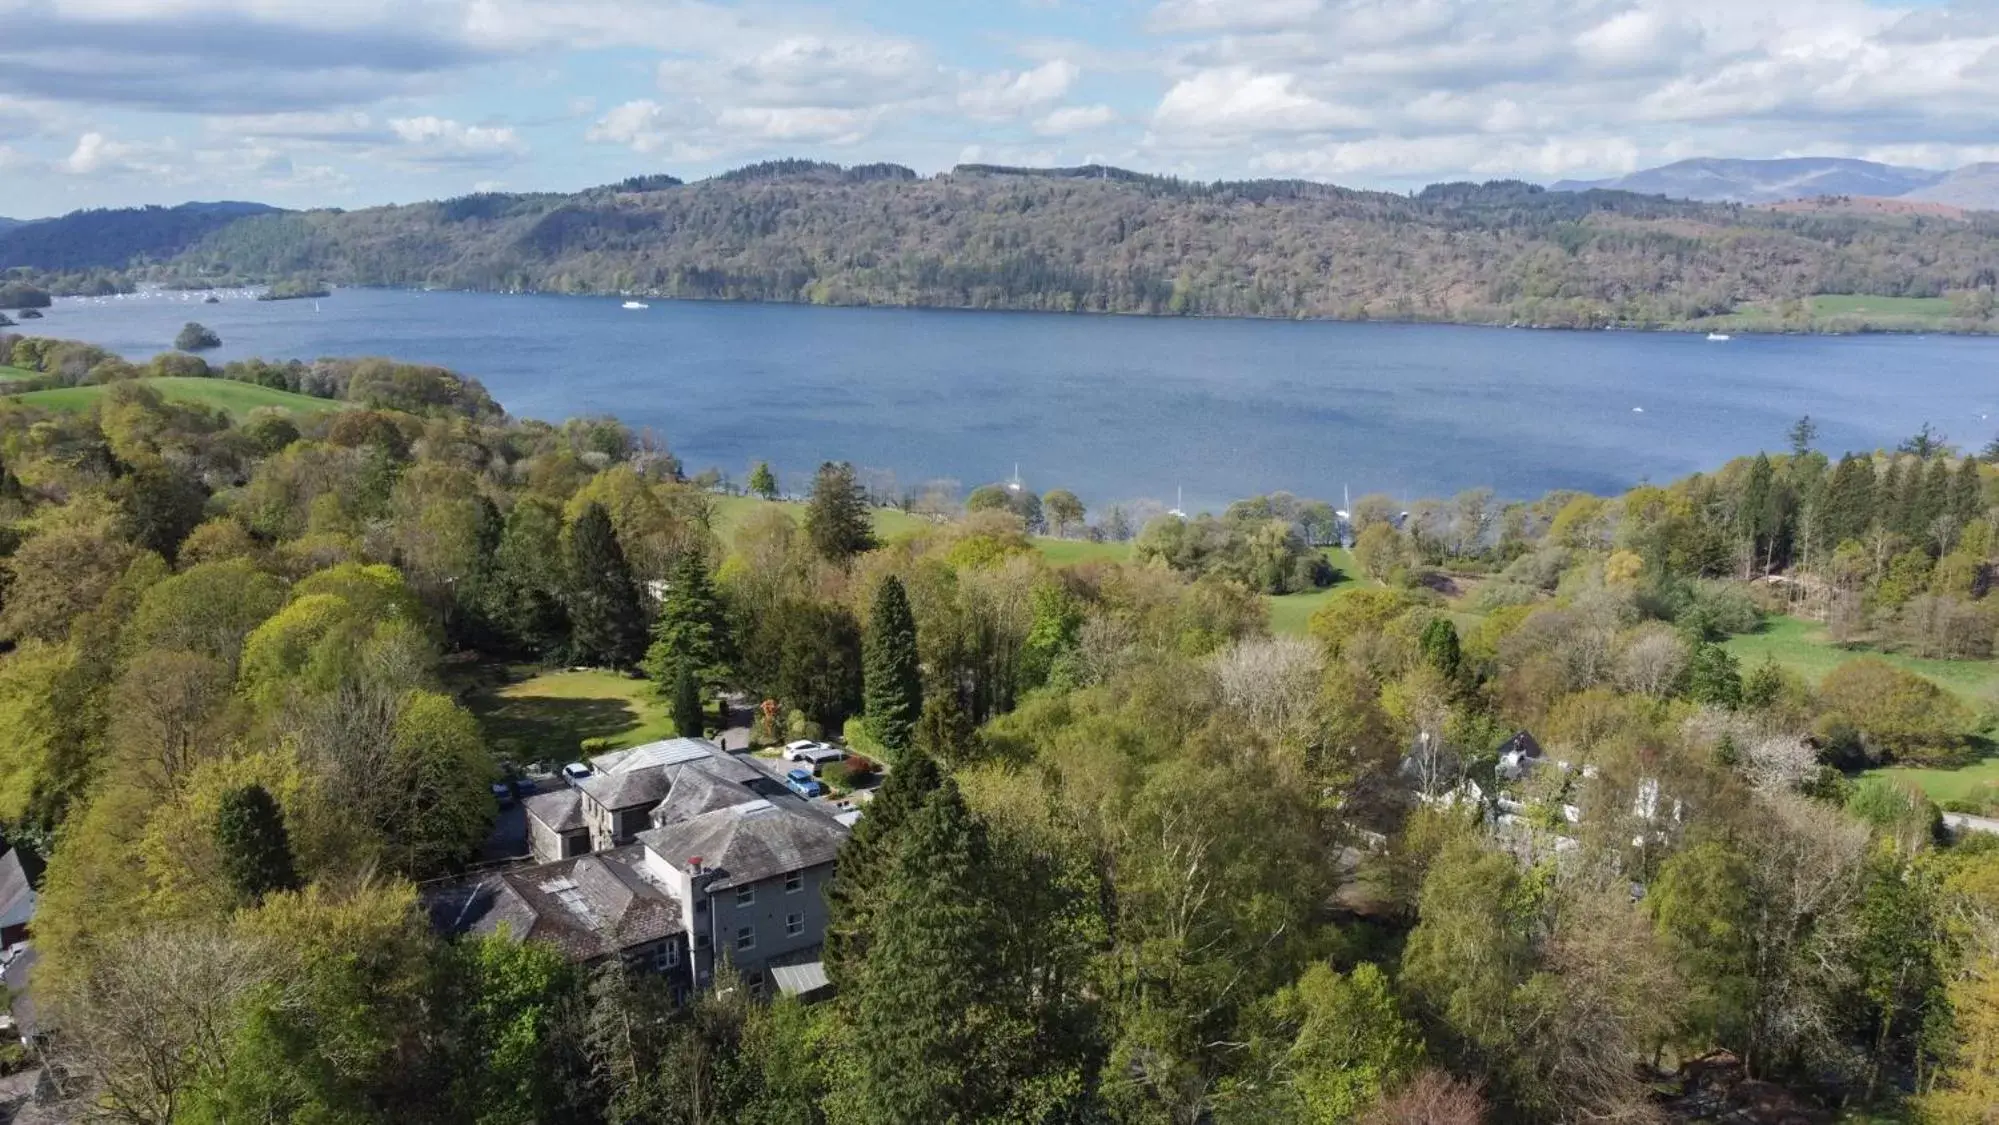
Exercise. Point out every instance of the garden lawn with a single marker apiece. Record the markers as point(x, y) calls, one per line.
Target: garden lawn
point(1290, 614)
point(731, 511)
point(15, 374)
point(1802, 647)
point(1976, 782)
point(237, 398)
point(530, 714)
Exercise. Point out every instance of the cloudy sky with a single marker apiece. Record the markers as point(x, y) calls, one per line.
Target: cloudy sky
point(354, 102)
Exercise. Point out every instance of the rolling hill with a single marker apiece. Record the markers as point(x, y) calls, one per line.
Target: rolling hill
point(1090, 239)
point(1766, 181)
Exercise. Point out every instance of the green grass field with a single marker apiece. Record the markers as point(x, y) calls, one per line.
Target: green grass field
point(530, 714)
point(1923, 308)
point(1979, 782)
point(1842, 312)
point(1802, 647)
point(15, 374)
point(238, 399)
point(1292, 613)
point(731, 511)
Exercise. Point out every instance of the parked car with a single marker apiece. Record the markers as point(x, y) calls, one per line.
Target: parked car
point(814, 754)
point(503, 793)
point(524, 786)
point(801, 782)
point(575, 772)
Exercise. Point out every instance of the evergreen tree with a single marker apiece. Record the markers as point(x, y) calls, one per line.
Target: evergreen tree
point(1847, 510)
point(524, 597)
point(1924, 443)
point(865, 860)
point(763, 482)
point(1802, 434)
point(256, 849)
point(837, 517)
point(919, 998)
point(1440, 647)
point(946, 733)
point(1892, 498)
point(1967, 492)
point(1932, 500)
point(687, 703)
point(692, 630)
point(892, 673)
point(1763, 685)
point(1713, 677)
point(603, 602)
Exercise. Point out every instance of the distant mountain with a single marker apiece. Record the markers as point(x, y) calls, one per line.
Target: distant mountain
point(1768, 181)
point(1975, 186)
point(84, 240)
point(6, 222)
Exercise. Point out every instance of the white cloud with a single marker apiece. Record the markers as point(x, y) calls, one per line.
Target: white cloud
point(440, 140)
point(1239, 101)
point(1232, 15)
point(98, 155)
point(1007, 94)
point(1076, 119)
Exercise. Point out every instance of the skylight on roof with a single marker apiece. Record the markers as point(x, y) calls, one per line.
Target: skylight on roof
point(753, 808)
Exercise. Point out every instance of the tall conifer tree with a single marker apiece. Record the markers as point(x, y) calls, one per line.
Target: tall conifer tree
point(256, 849)
point(603, 601)
point(837, 518)
point(893, 675)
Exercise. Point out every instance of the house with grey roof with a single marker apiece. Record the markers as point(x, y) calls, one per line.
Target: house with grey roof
point(675, 855)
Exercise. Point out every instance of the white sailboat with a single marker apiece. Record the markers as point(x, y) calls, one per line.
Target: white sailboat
point(636, 305)
point(1719, 337)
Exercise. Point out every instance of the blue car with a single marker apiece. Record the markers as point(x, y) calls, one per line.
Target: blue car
point(801, 782)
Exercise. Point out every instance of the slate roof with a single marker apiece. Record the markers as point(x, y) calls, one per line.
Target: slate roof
point(559, 809)
point(750, 842)
point(624, 779)
point(17, 895)
point(589, 907)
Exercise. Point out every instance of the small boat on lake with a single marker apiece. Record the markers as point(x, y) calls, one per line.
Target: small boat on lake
point(1719, 337)
point(636, 305)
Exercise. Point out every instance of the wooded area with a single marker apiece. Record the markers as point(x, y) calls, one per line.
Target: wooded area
point(1510, 837)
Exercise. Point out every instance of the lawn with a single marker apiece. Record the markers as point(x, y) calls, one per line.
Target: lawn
point(1978, 782)
point(1069, 552)
point(1802, 647)
point(238, 399)
point(731, 511)
point(530, 714)
point(1291, 613)
point(15, 374)
point(1924, 308)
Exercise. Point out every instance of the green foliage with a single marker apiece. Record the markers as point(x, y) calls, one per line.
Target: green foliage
point(1900, 715)
point(600, 597)
point(1713, 677)
point(1265, 555)
point(892, 674)
point(692, 631)
point(196, 338)
point(256, 849)
point(687, 720)
point(763, 482)
point(836, 516)
point(1439, 644)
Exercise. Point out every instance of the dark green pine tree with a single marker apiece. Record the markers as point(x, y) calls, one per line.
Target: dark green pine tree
point(1967, 492)
point(256, 849)
point(1932, 501)
point(606, 624)
point(1440, 647)
point(892, 676)
point(687, 703)
point(922, 998)
point(763, 482)
point(692, 629)
point(525, 593)
point(1892, 497)
point(946, 733)
point(837, 517)
point(1752, 508)
point(1847, 509)
point(865, 860)
point(1713, 677)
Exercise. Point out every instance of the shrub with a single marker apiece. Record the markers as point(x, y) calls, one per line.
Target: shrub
point(196, 337)
point(1900, 716)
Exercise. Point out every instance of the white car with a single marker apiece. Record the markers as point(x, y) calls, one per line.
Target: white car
point(575, 772)
point(814, 754)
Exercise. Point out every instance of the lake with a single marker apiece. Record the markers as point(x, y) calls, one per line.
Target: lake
point(1122, 408)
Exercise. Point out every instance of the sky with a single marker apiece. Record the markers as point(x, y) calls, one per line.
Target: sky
point(350, 103)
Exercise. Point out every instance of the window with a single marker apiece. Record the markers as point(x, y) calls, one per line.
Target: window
point(794, 882)
point(746, 938)
point(746, 896)
point(666, 957)
point(794, 924)
point(701, 941)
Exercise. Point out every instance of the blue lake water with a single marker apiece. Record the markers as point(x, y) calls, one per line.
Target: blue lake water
point(1122, 408)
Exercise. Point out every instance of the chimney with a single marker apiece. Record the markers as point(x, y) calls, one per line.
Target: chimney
point(694, 865)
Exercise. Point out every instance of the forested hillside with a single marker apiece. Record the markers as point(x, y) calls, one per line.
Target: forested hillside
point(1106, 240)
point(1511, 836)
